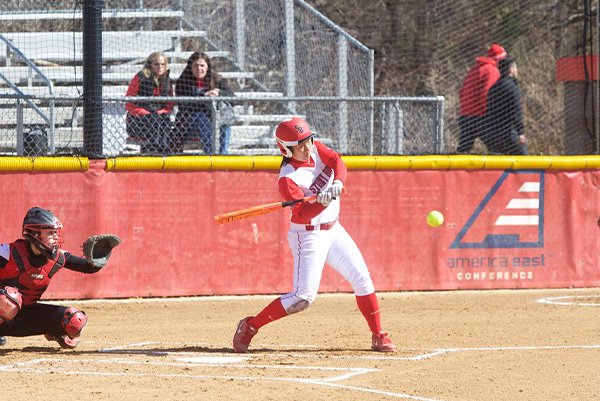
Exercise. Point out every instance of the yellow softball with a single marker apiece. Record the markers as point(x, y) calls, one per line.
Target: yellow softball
point(435, 218)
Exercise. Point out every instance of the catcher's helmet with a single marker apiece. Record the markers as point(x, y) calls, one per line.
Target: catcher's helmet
point(290, 133)
point(43, 230)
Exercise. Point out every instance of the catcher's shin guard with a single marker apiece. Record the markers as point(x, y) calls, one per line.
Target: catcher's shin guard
point(73, 322)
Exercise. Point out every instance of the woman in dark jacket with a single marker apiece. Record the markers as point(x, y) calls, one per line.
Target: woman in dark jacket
point(150, 122)
point(194, 119)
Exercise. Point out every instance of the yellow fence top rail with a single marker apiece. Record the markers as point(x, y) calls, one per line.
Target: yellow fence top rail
point(435, 162)
point(44, 163)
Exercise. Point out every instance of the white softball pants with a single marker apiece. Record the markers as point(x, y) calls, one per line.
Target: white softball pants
point(311, 250)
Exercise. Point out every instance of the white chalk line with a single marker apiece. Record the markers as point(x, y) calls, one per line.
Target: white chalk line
point(29, 366)
point(346, 373)
point(21, 367)
point(321, 382)
point(558, 300)
point(351, 371)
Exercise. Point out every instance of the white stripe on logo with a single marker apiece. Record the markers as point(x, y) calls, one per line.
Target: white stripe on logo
point(524, 204)
point(518, 221)
point(530, 187)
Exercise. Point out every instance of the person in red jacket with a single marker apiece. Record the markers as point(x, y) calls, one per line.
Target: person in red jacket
point(473, 97)
point(27, 266)
point(150, 122)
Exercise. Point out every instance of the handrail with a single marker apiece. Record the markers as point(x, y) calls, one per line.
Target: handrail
point(239, 98)
point(332, 25)
point(49, 120)
point(23, 97)
point(29, 63)
point(34, 67)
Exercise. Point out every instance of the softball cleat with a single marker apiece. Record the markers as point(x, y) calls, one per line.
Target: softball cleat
point(381, 343)
point(243, 335)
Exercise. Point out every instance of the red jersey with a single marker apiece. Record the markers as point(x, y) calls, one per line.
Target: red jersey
point(477, 83)
point(31, 281)
point(300, 179)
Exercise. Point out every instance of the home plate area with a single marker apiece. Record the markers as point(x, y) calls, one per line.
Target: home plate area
point(178, 359)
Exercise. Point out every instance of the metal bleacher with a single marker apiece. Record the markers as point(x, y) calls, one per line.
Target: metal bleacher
point(57, 57)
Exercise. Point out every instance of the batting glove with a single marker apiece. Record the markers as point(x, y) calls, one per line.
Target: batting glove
point(336, 189)
point(324, 198)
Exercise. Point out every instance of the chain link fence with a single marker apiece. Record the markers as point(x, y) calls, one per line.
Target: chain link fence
point(392, 134)
point(284, 58)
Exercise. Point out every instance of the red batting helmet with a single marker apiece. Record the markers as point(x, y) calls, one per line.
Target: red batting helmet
point(290, 133)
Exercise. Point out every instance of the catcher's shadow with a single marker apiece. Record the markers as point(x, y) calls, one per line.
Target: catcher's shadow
point(164, 351)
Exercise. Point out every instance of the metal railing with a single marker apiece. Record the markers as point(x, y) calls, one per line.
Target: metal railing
point(19, 109)
point(400, 126)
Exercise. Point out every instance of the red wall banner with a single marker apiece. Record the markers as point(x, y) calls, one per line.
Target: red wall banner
point(502, 229)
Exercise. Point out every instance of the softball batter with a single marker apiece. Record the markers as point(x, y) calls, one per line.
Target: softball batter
point(315, 236)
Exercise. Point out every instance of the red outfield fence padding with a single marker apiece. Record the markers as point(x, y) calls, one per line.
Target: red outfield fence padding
point(502, 229)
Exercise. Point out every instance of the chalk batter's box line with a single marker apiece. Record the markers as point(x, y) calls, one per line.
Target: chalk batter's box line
point(32, 366)
point(330, 382)
point(561, 300)
point(29, 366)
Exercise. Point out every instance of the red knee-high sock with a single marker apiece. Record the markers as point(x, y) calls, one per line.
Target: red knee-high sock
point(369, 307)
point(272, 312)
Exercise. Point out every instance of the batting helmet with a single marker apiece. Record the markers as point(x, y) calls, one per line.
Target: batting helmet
point(43, 230)
point(290, 133)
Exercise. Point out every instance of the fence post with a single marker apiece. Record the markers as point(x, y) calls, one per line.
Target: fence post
point(20, 145)
point(371, 90)
point(290, 54)
point(438, 127)
point(51, 128)
point(240, 35)
point(399, 129)
point(342, 92)
point(92, 77)
point(597, 150)
point(216, 127)
point(382, 107)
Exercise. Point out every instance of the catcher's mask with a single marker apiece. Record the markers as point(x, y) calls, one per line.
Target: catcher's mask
point(290, 133)
point(43, 230)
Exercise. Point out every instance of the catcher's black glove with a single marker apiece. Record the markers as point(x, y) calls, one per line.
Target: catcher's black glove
point(97, 249)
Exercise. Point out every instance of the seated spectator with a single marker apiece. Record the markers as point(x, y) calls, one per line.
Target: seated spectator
point(505, 112)
point(150, 122)
point(194, 120)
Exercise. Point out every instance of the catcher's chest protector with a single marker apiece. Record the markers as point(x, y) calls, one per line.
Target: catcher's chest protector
point(33, 281)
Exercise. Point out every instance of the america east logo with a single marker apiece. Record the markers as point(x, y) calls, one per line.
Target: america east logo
point(511, 215)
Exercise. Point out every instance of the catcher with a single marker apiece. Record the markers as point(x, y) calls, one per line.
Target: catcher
point(28, 265)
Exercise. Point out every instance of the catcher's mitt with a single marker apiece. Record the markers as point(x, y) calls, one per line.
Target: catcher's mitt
point(97, 249)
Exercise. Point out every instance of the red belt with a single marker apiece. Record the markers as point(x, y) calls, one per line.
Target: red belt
point(327, 226)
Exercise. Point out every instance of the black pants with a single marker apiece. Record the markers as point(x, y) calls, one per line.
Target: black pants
point(471, 128)
point(152, 130)
point(34, 320)
point(506, 141)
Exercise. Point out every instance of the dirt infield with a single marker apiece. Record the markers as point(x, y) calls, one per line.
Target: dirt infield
point(460, 345)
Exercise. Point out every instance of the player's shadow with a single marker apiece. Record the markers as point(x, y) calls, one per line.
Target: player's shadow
point(156, 351)
point(36, 350)
point(164, 351)
point(226, 350)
